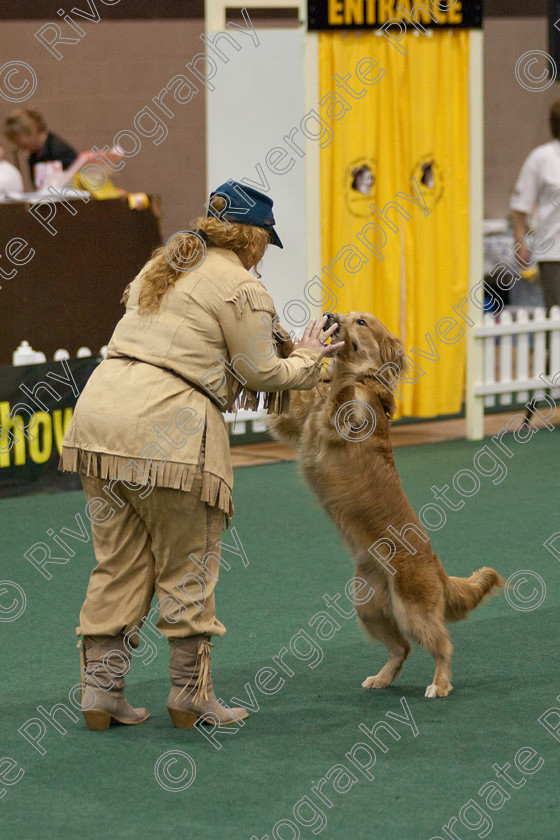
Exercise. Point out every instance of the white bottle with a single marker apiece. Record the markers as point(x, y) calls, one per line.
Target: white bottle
point(24, 355)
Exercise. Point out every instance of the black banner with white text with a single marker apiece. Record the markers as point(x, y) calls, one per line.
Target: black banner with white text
point(336, 15)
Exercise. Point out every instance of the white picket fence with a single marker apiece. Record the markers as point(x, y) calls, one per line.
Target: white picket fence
point(246, 421)
point(515, 354)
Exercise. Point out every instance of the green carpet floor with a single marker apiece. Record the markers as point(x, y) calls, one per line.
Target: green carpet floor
point(91, 785)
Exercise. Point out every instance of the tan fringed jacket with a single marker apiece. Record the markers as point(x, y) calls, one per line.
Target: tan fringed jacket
point(142, 415)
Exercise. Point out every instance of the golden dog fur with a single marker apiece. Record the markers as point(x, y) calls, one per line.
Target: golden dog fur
point(340, 431)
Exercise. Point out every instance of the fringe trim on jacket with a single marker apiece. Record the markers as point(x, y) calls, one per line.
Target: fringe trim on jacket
point(254, 294)
point(273, 402)
point(215, 491)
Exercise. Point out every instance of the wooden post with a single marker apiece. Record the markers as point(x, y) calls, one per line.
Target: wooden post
point(475, 362)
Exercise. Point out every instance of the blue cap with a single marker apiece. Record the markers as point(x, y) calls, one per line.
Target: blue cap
point(248, 207)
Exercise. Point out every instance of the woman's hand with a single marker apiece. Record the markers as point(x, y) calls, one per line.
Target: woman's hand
point(523, 256)
point(314, 338)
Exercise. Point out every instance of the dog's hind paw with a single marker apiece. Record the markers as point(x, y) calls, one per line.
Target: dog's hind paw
point(434, 690)
point(375, 682)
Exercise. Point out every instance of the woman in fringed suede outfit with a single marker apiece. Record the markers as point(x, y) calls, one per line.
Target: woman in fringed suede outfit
point(151, 446)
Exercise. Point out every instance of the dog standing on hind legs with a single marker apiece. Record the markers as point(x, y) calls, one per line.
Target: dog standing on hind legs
point(341, 432)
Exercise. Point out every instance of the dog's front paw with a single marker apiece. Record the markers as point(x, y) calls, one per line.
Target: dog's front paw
point(434, 690)
point(375, 682)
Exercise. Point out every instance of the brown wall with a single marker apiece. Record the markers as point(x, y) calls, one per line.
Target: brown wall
point(515, 119)
point(102, 82)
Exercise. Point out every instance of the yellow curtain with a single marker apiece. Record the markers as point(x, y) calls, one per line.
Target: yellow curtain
point(401, 140)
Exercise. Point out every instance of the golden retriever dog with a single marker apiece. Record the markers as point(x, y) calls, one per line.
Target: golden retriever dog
point(341, 432)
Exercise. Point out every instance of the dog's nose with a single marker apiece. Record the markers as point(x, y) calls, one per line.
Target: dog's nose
point(331, 319)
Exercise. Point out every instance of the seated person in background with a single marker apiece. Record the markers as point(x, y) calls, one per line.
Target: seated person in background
point(54, 164)
point(10, 177)
point(49, 154)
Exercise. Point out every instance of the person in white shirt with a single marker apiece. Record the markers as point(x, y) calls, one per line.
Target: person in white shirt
point(10, 177)
point(537, 194)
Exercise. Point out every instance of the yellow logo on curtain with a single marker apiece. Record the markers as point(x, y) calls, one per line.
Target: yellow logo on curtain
point(359, 186)
point(429, 175)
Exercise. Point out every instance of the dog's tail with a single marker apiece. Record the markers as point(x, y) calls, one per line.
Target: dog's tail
point(464, 594)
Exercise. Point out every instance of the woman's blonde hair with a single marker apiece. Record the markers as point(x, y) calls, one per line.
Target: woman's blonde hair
point(24, 121)
point(186, 251)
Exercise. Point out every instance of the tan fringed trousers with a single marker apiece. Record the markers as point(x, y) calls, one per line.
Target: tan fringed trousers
point(162, 541)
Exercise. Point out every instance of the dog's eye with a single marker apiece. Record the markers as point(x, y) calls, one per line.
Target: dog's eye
point(361, 322)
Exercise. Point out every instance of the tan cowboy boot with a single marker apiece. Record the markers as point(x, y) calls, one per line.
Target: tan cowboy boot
point(105, 661)
point(192, 694)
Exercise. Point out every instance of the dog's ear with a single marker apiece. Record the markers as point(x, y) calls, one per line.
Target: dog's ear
point(284, 343)
point(284, 347)
point(392, 352)
point(393, 365)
